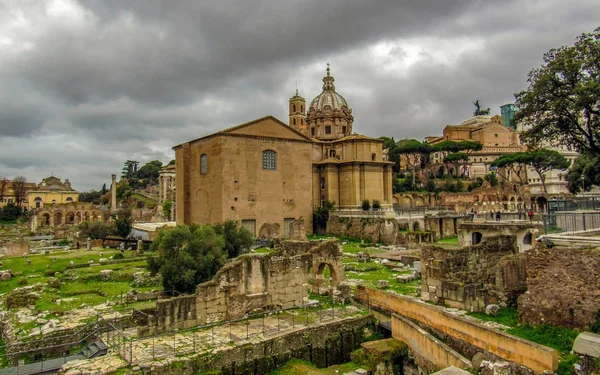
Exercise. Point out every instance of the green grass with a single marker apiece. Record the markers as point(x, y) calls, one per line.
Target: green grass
point(451, 240)
point(559, 338)
point(370, 272)
point(508, 316)
point(299, 367)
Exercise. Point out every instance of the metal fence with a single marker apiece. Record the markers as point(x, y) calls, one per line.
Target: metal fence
point(571, 222)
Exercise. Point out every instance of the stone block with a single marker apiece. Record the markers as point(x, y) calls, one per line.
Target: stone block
point(382, 284)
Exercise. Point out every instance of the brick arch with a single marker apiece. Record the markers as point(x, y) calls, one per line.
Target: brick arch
point(69, 217)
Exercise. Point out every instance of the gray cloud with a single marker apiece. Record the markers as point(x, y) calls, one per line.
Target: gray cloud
point(89, 84)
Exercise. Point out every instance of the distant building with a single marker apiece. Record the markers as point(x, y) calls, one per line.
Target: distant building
point(507, 112)
point(51, 190)
point(496, 138)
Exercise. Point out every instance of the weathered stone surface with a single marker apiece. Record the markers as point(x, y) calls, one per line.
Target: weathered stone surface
point(382, 284)
point(492, 309)
point(563, 287)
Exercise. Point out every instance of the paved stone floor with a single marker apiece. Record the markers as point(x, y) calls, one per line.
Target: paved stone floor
point(152, 351)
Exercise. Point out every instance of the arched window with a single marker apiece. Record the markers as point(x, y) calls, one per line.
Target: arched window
point(294, 110)
point(203, 164)
point(301, 108)
point(269, 159)
point(38, 202)
point(69, 199)
point(294, 121)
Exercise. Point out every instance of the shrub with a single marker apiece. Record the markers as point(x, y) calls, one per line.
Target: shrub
point(376, 204)
point(366, 206)
point(118, 256)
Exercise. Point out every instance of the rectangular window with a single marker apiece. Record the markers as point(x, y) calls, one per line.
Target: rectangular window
point(327, 129)
point(332, 153)
point(287, 227)
point(269, 159)
point(322, 183)
point(343, 129)
point(203, 164)
point(250, 225)
point(312, 132)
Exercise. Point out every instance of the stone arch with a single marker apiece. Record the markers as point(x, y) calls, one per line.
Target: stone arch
point(476, 238)
point(69, 200)
point(45, 219)
point(320, 278)
point(527, 238)
point(407, 201)
point(38, 202)
point(78, 217)
point(416, 227)
point(520, 203)
point(442, 171)
point(70, 218)
point(419, 201)
point(512, 203)
point(58, 218)
point(542, 203)
point(86, 216)
point(395, 202)
point(93, 218)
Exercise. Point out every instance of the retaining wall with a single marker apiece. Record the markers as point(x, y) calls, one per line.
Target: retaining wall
point(531, 355)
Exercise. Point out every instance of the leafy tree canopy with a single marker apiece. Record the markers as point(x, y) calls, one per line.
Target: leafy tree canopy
point(562, 102)
point(237, 238)
point(458, 156)
point(187, 256)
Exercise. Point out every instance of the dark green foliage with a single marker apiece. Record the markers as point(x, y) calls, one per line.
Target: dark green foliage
point(321, 216)
point(595, 326)
point(149, 173)
point(167, 206)
point(458, 156)
point(376, 204)
point(492, 179)
point(415, 151)
point(561, 102)
point(123, 222)
point(10, 212)
point(91, 196)
point(366, 206)
point(584, 174)
point(559, 338)
point(187, 256)
point(237, 238)
point(118, 256)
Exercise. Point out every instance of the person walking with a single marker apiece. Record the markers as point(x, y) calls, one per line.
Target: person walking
point(498, 215)
point(492, 214)
point(530, 214)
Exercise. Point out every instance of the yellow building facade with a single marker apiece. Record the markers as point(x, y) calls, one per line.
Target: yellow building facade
point(51, 190)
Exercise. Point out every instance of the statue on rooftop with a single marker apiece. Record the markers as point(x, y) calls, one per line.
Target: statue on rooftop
point(479, 111)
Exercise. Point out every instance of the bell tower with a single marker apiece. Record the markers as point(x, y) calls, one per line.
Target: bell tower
point(298, 114)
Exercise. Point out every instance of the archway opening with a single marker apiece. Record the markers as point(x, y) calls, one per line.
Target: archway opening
point(46, 219)
point(527, 239)
point(416, 226)
point(38, 202)
point(542, 204)
point(58, 217)
point(476, 238)
point(70, 218)
point(325, 277)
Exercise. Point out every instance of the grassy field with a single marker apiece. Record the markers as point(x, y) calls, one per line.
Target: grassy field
point(78, 286)
point(449, 240)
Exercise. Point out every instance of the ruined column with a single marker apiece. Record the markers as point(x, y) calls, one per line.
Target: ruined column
point(113, 193)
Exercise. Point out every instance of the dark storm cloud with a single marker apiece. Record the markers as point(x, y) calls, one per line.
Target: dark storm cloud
point(89, 84)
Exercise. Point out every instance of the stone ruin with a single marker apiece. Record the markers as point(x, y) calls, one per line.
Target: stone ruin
point(473, 277)
point(253, 283)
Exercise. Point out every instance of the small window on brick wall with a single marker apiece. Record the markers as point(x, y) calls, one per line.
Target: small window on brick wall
point(327, 129)
point(269, 158)
point(203, 164)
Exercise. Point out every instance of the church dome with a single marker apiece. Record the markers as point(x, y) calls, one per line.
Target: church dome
point(328, 97)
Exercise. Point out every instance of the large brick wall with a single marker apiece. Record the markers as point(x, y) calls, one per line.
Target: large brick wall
point(563, 287)
point(474, 276)
point(251, 283)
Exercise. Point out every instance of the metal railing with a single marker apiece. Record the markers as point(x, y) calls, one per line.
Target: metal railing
point(571, 222)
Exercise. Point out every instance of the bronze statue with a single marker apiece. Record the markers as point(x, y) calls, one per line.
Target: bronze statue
point(479, 111)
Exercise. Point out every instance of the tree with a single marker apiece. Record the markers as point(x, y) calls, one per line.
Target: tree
point(514, 161)
point(237, 238)
point(187, 256)
point(456, 158)
point(149, 172)
point(492, 179)
point(123, 222)
point(543, 160)
point(129, 169)
point(19, 185)
point(584, 173)
point(562, 102)
point(412, 149)
point(321, 216)
point(167, 206)
point(390, 145)
point(3, 186)
point(376, 204)
point(366, 206)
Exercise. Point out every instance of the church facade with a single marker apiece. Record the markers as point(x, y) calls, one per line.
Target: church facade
point(266, 174)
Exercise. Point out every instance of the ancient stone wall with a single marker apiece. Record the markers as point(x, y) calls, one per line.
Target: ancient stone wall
point(474, 276)
point(563, 287)
point(252, 283)
point(323, 345)
point(374, 229)
point(14, 248)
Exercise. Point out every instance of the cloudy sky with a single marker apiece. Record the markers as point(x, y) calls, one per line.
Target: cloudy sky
point(86, 85)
